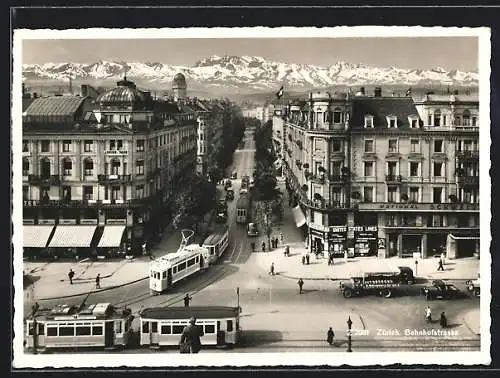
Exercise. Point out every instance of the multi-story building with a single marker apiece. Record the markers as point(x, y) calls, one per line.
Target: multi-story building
point(99, 173)
point(384, 175)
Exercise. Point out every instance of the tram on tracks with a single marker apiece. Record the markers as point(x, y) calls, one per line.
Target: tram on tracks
point(98, 325)
point(163, 326)
point(216, 244)
point(243, 208)
point(174, 267)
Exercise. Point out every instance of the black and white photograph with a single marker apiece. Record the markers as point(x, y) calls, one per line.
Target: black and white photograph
point(251, 196)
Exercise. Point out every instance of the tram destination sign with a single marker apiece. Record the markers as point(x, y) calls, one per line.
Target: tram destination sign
point(419, 206)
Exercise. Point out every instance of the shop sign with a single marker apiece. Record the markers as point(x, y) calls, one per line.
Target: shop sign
point(317, 233)
point(420, 206)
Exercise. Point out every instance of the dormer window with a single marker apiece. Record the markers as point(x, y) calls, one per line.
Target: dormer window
point(368, 121)
point(392, 122)
point(413, 121)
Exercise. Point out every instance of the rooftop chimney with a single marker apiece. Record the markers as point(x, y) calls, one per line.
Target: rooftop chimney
point(378, 92)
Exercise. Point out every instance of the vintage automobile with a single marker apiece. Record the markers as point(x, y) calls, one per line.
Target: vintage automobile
point(234, 175)
point(252, 230)
point(229, 195)
point(227, 184)
point(474, 286)
point(245, 180)
point(441, 290)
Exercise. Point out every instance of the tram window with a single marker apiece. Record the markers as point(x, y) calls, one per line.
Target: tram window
point(174, 269)
point(41, 328)
point(51, 331)
point(212, 250)
point(177, 329)
point(166, 329)
point(66, 331)
point(217, 249)
point(164, 275)
point(145, 327)
point(83, 331)
point(197, 259)
point(209, 328)
point(181, 266)
point(118, 326)
point(154, 327)
point(191, 262)
point(229, 326)
point(97, 330)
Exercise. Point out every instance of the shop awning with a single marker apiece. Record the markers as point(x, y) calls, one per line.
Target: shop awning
point(458, 237)
point(36, 236)
point(72, 236)
point(299, 216)
point(111, 237)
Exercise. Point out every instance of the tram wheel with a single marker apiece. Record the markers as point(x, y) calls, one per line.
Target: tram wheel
point(347, 293)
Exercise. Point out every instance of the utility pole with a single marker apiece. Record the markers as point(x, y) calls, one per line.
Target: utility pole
point(349, 332)
point(238, 298)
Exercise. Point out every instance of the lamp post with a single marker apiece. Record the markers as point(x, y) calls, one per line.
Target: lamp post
point(349, 340)
point(238, 297)
point(416, 267)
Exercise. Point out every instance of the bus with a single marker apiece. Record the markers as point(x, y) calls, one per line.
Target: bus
point(163, 326)
point(98, 325)
point(243, 208)
point(171, 268)
point(216, 244)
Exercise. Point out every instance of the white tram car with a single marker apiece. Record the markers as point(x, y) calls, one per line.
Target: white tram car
point(97, 325)
point(163, 326)
point(216, 244)
point(169, 269)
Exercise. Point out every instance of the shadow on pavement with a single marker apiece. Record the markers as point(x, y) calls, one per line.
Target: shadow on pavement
point(253, 338)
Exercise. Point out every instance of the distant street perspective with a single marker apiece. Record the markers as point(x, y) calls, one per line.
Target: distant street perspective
point(343, 219)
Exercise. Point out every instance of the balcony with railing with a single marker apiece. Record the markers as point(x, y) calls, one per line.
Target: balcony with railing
point(393, 179)
point(44, 180)
point(114, 179)
point(468, 180)
point(339, 179)
point(467, 155)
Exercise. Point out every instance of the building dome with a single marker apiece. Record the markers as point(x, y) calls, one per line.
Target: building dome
point(125, 94)
point(179, 81)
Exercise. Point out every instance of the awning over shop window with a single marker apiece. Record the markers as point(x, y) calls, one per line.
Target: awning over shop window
point(458, 237)
point(299, 217)
point(111, 237)
point(72, 236)
point(36, 236)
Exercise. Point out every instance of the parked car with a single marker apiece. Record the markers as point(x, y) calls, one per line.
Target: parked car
point(234, 175)
point(252, 230)
point(474, 286)
point(228, 184)
point(229, 194)
point(441, 290)
point(243, 190)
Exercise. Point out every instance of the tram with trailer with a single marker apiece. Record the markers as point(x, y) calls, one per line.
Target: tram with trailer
point(216, 244)
point(98, 325)
point(163, 326)
point(243, 207)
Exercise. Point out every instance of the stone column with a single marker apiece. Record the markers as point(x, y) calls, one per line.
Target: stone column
point(399, 245)
point(423, 246)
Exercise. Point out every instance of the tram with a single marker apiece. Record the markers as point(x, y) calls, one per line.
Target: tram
point(243, 208)
point(216, 244)
point(98, 325)
point(163, 326)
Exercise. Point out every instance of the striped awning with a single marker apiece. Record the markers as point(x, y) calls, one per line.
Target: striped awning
point(111, 237)
point(72, 236)
point(299, 216)
point(36, 236)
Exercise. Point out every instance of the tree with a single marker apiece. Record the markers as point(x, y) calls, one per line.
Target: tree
point(265, 219)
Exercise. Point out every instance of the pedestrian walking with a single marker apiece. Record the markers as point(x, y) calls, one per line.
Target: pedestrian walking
point(440, 265)
point(144, 249)
point(443, 257)
point(443, 321)
point(263, 246)
point(271, 270)
point(187, 299)
point(190, 339)
point(301, 284)
point(428, 314)
point(98, 281)
point(252, 244)
point(287, 251)
point(276, 242)
point(303, 260)
point(329, 336)
point(307, 259)
point(282, 238)
point(71, 274)
point(345, 256)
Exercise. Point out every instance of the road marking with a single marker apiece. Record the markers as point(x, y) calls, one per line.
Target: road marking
point(241, 249)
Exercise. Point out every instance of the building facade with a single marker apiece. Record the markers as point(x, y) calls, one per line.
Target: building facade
point(95, 163)
point(387, 176)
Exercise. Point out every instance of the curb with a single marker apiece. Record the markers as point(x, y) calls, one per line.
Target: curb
point(347, 278)
point(92, 291)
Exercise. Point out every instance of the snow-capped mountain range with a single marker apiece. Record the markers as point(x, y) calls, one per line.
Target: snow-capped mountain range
point(250, 73)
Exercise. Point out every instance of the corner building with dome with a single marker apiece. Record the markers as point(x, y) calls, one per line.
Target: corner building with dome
point(100, 171)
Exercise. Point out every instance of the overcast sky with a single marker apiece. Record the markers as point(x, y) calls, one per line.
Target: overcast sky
point(416, 52)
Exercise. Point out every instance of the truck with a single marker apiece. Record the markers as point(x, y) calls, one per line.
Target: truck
point(441, 290)
point(474, 286)
point(381, 282)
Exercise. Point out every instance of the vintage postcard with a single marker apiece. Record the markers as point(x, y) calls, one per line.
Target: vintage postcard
point(254, 196)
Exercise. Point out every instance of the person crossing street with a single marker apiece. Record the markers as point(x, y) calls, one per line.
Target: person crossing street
point(301, 284)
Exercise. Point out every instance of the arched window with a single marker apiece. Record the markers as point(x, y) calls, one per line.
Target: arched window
point(88, 167)
point(437, 118)
point(337, 115)
point(26, 167)
point(45, 168)
point(67, 167)
point(466, 118)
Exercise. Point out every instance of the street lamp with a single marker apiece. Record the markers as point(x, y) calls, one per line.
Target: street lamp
point(416, 267)
point(238, 297)
point(349, 340)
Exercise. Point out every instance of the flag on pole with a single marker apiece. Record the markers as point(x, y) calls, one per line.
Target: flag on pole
point(280, 93)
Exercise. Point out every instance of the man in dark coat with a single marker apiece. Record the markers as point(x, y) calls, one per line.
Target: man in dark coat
point(187, 298)
point(329, 336)
point(190, 339)
point(301, 284)
point(71, 274)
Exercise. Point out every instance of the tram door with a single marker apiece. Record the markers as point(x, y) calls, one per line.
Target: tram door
point(169, 277)
point(153, 329)
point(202, 261)
point(109, 334)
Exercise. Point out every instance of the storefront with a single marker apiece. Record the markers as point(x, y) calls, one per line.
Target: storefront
point(365, 240)
point(337, 238)
point(317, 240)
